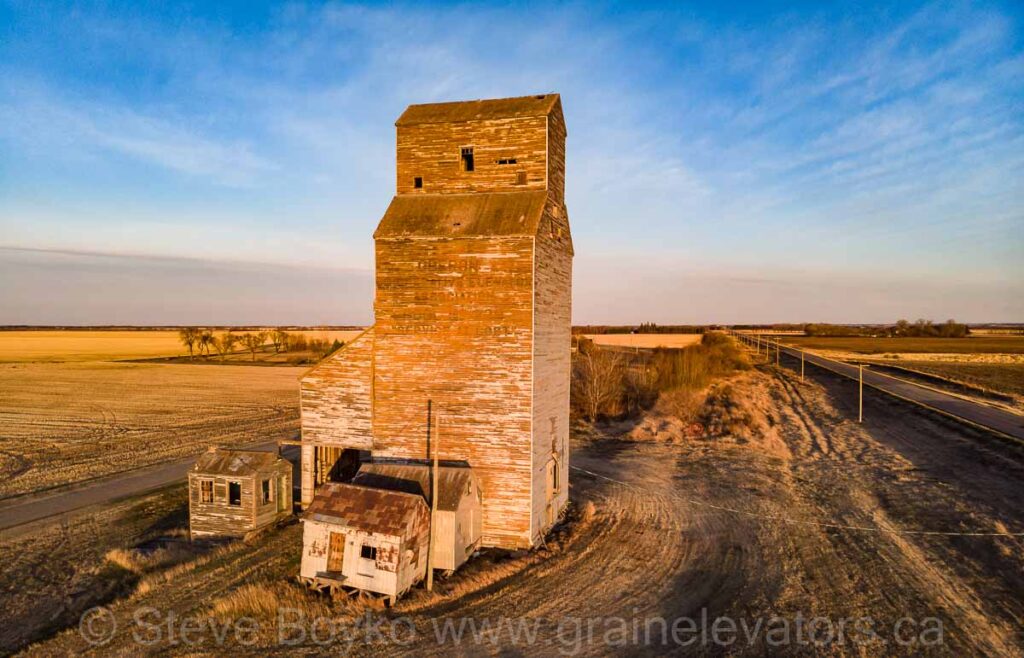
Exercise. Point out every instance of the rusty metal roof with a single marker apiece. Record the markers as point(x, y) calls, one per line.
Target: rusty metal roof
point(469, 215)
point(380, 511)
point(479, 110)
point(227, 461)
point(453, 482)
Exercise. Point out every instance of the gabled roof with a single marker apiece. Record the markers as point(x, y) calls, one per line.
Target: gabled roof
point(453, 482)
point(364, 508)
point(479, 110)
point(226, 461)
point(470, 215)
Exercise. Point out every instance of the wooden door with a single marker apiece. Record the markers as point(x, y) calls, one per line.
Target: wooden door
point(336, 552)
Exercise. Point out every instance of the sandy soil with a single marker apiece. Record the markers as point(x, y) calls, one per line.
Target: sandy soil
point(811, 516)
point(646, 340)
point(63, 423)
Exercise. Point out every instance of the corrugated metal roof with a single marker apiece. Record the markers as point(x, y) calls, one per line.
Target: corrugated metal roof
point(479, 110)
point(452, 481)
point(470, 215)
point(365, 508)
point(227, 461)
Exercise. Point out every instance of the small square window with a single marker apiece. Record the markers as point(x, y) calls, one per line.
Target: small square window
point(235, 493)
point(368, 552)
point(418, 182)
point(206, 491)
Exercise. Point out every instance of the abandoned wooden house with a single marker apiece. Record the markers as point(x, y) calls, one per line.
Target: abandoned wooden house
point(457, 520)
point(365, 538)
point(472, 312)
point(235, 492)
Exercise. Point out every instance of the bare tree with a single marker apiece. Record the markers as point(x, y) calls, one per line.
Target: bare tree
point(253, 342)
point(224, 344)
point(280, 338)
point(188, 337)
point(597, 381)
point(205, 340)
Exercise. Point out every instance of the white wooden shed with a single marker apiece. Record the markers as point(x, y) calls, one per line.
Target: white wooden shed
point(458, 528)
point(365, 538)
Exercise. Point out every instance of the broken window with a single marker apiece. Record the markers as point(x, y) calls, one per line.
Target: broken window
point(206, 491)
point(234, 493)
point(521, 178)
point(417, 182)
point(368, 552)
point(467, 158)
point(266, 492)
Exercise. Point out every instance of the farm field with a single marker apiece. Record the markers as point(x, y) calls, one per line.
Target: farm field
point(766, 521)
point(81, 346)
point(61, 423)
point(865, 345)
point(645, 340)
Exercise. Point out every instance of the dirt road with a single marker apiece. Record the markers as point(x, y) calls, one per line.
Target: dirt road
point(815, 518)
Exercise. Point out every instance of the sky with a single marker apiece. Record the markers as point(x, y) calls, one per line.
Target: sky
point(218, 163)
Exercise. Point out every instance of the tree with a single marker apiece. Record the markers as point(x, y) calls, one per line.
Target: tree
point(188, 337)
point(205, 340)
point(253, 342)
point(224, 344)
point(280, 340)
point(597, 381)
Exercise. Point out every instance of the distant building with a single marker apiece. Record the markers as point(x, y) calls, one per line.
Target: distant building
point(472, 312)
point(235, 492)
point(365, 538)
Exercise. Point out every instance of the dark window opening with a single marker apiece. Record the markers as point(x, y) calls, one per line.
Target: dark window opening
point(507, 161)
point(234, 493)
point(418, 182)
point(467, 158)
point(521, 178)
point(266, 492)
point(368, 552)
point(206, 491)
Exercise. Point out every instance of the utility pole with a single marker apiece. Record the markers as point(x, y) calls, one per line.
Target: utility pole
point(860, 402)
point(431, 448)
point(776, 353)
point(801, 365)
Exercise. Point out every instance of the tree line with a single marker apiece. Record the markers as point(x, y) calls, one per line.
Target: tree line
point(902, 329)
point(201, 341)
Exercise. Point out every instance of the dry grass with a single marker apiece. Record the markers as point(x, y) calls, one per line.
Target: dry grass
point(64, 423)
point(78, 346)
point(646, 340)
point(140, 561)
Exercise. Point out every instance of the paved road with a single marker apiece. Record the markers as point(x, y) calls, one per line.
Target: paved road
point(62, 502)
point(1003, 421)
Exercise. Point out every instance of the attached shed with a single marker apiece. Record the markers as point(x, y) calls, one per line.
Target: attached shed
point(235, 492)
point(458, 526)
point(369, 539)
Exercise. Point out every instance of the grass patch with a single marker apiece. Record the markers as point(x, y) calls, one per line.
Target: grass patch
point(867, 345)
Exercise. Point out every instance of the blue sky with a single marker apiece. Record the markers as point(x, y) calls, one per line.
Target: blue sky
point(216, 163)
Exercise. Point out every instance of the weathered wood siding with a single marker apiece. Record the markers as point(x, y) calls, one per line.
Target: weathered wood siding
point(454, 325)
point(336, 397)
point(433, 151)
point(552, 335)
point(400, 563)
point(220, 519)
point(556, 135)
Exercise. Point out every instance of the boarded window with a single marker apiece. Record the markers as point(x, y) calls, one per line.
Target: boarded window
point(266, 492)
point(234, 493)
point(221, 492)
point(418, 182)
point(521, 178)
point(467, 158)
point(206, 491)
point(368, 552)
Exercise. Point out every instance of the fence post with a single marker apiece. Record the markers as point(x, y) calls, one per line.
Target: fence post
point(860, 402)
